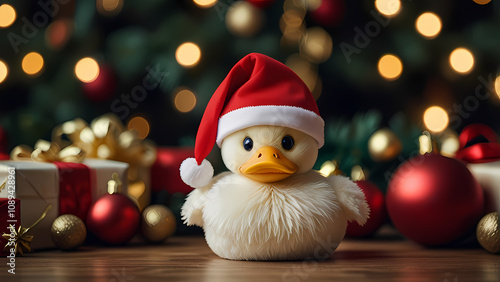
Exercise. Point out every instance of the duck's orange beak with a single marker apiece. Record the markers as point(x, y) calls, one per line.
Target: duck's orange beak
point(268, 164)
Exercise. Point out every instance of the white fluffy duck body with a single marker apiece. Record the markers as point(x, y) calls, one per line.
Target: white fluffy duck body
point(272, 205)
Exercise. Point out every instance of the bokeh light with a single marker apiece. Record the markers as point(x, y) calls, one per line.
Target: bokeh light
point(390, 67)
point(388, 8)
point(32, 63)
point(4, 71)
point(497, 86)
point(244, 19)
point(316, 45)
point(109, 7)
point(7, 15)
point(462, 60)
point(87, 70)
point(184, 100)
point(205, 3)
point(482, 2)
point(139, 124)
point(428, 24)
point(436, 119)
point(188, 54)
point(58, 33)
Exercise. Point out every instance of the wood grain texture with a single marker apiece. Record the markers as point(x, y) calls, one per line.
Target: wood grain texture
point(190, 259)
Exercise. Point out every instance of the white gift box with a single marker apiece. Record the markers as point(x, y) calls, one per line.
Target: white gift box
point(38, 185)
point(488, 176)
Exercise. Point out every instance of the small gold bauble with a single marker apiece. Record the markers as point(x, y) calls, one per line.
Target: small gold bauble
point(244, 19)
point(68, 232)
point(158, 223)
point(384, 145)
point(488, 233)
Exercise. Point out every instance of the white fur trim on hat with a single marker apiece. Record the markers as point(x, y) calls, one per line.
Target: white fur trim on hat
point(287, 116)
point(196, 175)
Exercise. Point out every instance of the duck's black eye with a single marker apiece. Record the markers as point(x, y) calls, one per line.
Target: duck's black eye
point(248, 144)
point(287, 142)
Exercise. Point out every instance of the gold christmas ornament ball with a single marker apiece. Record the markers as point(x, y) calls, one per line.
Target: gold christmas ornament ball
point(158, 223)
point(244, 19)
point(488, 233)
point(68, 232)
point(384, 145)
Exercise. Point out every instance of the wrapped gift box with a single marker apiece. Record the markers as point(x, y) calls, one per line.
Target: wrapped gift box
point(488, 176)
point(69, 187)
point(8, 215)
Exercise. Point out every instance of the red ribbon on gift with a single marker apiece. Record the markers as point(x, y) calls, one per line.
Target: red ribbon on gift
point(480, 152)
point(74, 189)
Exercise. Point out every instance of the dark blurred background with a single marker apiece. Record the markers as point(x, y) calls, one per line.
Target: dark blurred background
point(137, 66)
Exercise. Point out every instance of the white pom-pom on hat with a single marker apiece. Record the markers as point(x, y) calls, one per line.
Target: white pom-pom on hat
point(196, 175)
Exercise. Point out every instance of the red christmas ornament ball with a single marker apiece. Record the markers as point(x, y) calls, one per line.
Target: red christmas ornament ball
point(328, 13)
point(378, 214)
point(434, 200)
point(114, 219)
point(261, 3)
point(102, 89)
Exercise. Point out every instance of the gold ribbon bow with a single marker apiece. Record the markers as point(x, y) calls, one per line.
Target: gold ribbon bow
point(21, 240)
point(48, 152)
point(106, 138)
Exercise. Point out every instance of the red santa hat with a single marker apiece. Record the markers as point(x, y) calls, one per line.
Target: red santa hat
point(257, 91)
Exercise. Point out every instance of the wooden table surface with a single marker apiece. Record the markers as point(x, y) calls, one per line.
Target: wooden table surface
point(190, 259)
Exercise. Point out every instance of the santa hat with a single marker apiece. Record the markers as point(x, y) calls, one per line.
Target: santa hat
point(257, 91)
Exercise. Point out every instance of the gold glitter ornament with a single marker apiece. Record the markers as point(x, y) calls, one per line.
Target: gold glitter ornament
point(158, 223)
point(384, 145)
point(68, 232)
point(488, 233)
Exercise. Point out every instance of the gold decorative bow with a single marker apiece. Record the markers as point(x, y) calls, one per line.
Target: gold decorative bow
point(46, 151)
point(21, 240)
point(106, 138)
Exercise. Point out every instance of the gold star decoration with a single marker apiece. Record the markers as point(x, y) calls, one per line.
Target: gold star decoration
point(21, 241)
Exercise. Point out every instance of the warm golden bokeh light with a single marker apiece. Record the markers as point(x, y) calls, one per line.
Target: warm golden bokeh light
point(388, 8)
point(109, 7)
point(436, 119)
point(429, 25)
point(139, 124)
point(462, 60)
point(32, 63)
point(188, 54)
point(482, 2)
point(390, 67)
point(87, 70)
point(205, 3)
point(316, 45)
point(4, 71)
point(497, 86)
point(185, 100)
point(7, 15)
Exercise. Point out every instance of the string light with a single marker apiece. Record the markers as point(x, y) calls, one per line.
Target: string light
point(4, 71)
point(462, 60)
point(139, 124)
point(7, 15)
point(188, 54)
point(185, 100)
point(497, 86)
point(388, 8)
point(390, 67)
point(32, 63)
point(316, 45)
point(205, 3)
point(87, 70)
point(436, 119)
point(428, 24)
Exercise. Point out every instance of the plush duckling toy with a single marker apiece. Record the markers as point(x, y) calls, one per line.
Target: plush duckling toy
point(271, 205)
